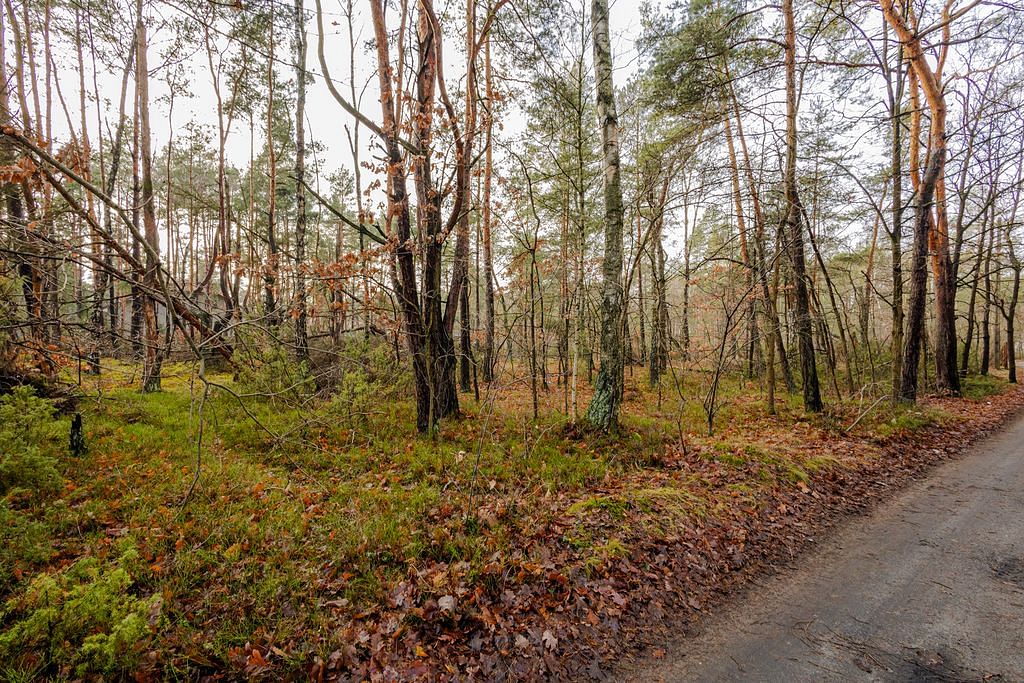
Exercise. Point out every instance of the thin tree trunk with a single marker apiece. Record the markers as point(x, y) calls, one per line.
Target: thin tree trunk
point(748, 269)
point(918, 283)
point(135, 323)
point(658, 359)
point(462, 238)
point(357, 189)
point(153, 352)
point(931, 84)
point(603, 412)
point(1016, 266)
point(403, 264)
point(972, 303)
point(301, 337)
point(271, 266)
point(986, 318)
point(485, 218)
point(768, 297)
point(895, 102)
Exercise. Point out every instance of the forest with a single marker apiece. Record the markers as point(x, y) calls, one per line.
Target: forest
point(393, 340)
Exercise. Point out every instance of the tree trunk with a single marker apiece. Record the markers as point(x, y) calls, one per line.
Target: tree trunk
point(946, 377)
point(485, 218)
point(1011, 317)
point(603, 412)
point(153, 352)
point(896, 246)
point(658, 360)
point(1015, 266)
point(748, 268)
point(135, 323)
point(972, 303)
point(986, 316)
point(438, 319)
point(918, 283)
point(403, 263)
point(773, 326)
point(794, 222)
point(864, 308)
point(301, 337)
point(15, 201)
point(462, 238)
point(271, 266)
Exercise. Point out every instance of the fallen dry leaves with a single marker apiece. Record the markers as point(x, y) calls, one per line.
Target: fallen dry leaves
point(652, 565)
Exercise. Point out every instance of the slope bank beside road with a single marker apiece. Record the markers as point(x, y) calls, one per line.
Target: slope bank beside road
point(928, 586)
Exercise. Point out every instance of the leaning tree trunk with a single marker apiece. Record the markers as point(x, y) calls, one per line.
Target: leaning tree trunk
point(930, 81)
point(603, 411)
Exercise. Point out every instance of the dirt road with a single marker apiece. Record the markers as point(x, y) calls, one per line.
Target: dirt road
point(929, 587)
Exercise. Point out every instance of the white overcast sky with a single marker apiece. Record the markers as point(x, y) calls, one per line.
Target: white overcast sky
point(325, 118)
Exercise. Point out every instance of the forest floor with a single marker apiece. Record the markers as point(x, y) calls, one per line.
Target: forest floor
point(325, 540)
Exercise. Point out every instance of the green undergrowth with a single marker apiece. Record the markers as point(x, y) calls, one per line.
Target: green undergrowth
point(980, 386)
point(903, 419)
point(305, 505)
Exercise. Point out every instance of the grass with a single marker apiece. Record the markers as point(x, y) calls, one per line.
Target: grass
point(305, 514)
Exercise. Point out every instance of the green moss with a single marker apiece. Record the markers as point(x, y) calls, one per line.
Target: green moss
point(601, 554)
point(904, 419)
point(676, 503)
point(29, 476)
point(303, 495)
point(613, 505)
point(979, 386)
point(85, 617)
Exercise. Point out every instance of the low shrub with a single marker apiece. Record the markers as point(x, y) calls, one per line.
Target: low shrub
point(27, 439)
point(366, 378)
point(274, 373)
point(28, 471)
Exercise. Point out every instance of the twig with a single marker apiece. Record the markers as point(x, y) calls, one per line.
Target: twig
point(861, 416)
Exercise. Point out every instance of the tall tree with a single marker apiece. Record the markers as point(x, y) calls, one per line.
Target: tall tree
point(603, 411)
point(270, 269)
point(301, 337)
point(930, 81)
point(153, 353)
point(485, 215)
point(793, 222)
